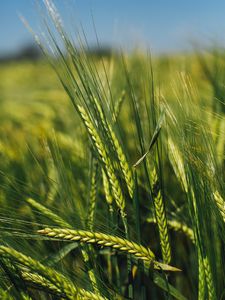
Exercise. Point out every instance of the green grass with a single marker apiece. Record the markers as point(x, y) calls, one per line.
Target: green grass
point(112, 177)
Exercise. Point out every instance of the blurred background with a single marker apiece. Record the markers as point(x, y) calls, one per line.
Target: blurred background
point(162, 26)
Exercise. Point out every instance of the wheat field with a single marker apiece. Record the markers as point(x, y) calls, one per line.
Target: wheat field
point(112, 174)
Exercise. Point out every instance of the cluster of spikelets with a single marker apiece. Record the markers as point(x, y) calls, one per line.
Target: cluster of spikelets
point(120, 188)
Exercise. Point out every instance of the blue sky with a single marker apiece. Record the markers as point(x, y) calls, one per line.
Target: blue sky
point(162, 25)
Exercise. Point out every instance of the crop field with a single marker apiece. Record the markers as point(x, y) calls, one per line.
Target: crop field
point(112, 175)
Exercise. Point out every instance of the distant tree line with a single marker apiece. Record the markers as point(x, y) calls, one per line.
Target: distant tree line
point(33, 53)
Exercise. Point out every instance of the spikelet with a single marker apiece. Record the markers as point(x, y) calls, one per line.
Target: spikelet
point(161, 220)
point(56, 278)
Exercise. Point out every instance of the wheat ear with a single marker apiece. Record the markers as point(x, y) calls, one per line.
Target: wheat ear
point(161, 220)
point(100, 239)
point(25, 297)
point(48, 213)
point(209, 279)
point(4, 295)
point(59, 221)
point(178, 226)
point(104, 157)
point(177, 164)
point(220, 203)
point(201, 279)
point(56, 278)
point(52, 174)
point(118, 105)
point(126, 170)
point(41, 282)
point(127, 173)
point(92, 193)
point(106, 240)
point(107, 190)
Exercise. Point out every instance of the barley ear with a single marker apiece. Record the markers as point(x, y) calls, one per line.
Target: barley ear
point(161, 220)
